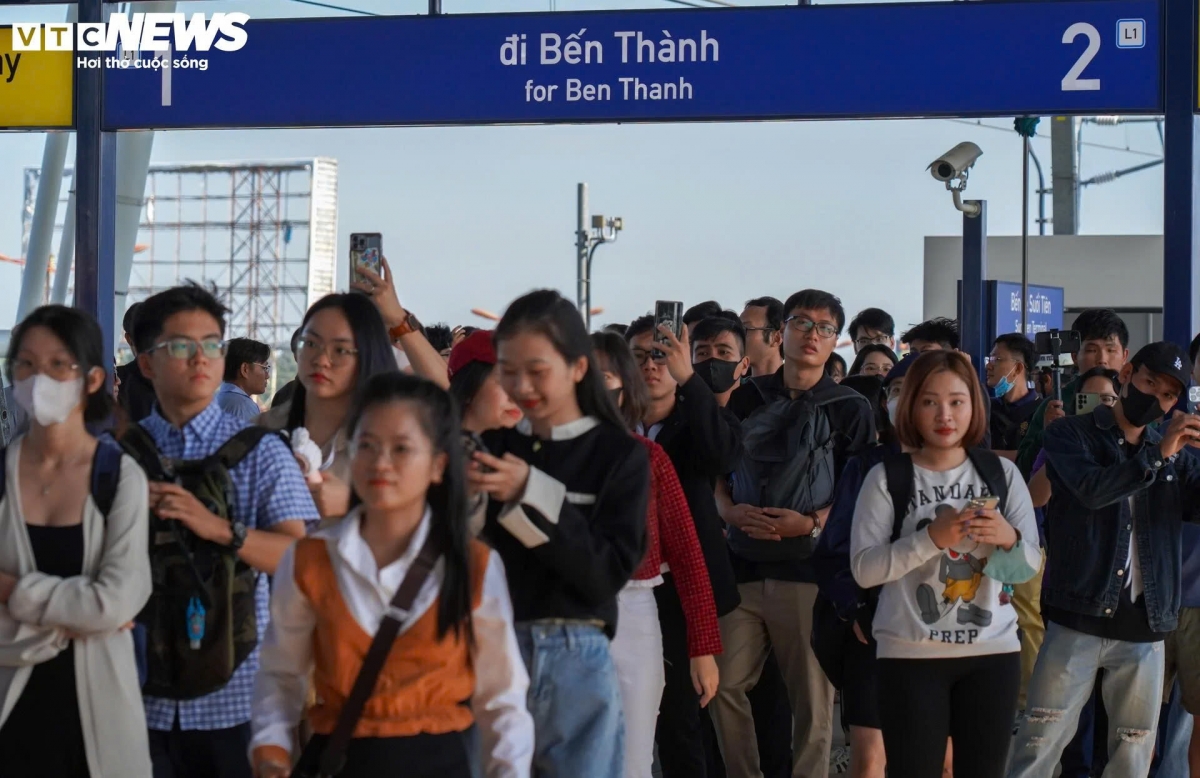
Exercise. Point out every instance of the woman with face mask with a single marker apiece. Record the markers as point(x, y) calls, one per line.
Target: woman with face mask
point(73, 565)
point(671, 539)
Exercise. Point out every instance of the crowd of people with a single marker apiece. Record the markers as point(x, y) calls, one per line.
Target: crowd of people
point(542, 551)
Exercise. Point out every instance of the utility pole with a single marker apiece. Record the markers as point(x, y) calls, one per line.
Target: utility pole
point(587, 240)
point(1064, 175)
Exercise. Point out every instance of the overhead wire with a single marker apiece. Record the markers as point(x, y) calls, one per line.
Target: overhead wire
point(979, 123)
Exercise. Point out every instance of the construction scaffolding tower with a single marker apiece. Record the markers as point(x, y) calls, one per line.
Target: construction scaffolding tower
point(263, 234)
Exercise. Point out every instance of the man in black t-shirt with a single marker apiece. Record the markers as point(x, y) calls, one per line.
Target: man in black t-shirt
point(775, 576)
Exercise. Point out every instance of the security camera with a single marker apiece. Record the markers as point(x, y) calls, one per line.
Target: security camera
point(955, 162)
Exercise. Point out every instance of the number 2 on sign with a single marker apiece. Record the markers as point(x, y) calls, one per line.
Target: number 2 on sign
point(1071, 81)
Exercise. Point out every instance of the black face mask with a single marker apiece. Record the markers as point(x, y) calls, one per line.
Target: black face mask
point(717, 374)
point(1140, 408)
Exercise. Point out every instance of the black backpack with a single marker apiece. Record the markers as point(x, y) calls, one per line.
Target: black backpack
point(787, 462)
point(195, 579)
point(898, 470)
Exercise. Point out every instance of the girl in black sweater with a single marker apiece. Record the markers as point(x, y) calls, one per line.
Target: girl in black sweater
point(567, 493)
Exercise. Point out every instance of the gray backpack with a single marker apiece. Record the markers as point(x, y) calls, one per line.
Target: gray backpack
point(788, 462)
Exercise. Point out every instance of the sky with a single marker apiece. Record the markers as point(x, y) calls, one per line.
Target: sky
point(474, 217)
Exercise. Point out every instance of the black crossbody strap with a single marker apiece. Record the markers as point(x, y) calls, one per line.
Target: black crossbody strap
point(333, 758)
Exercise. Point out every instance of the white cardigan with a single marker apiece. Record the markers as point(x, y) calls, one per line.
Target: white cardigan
point(112, 590)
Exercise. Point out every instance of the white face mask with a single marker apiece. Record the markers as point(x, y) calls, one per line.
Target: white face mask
point(892, 405)
point(47, 400)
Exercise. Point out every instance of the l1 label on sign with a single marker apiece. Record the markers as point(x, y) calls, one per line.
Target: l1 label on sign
point(37, 88)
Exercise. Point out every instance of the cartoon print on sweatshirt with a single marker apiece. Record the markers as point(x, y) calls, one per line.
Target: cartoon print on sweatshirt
point(961, 574)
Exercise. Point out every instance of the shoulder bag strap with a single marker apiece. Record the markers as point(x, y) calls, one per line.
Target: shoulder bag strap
point(138, 444)
point(106, 474)
point(989, 467)
point(242, 443)
point(898, 468)
point(333, 758)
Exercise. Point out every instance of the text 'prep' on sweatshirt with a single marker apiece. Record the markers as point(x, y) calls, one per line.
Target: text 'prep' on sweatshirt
point(575, 537)
point(938, 603)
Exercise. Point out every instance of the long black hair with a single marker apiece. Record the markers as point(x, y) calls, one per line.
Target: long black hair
point(549, 314)
point(874, 348)
point(371, 339)
point(448, 500)
point(612, 349)
point(466, 383)
point(82, 337)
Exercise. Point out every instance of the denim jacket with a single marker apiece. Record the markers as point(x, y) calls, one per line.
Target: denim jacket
point(1093, 472)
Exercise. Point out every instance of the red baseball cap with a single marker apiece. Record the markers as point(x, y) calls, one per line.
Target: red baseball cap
point(476, 347)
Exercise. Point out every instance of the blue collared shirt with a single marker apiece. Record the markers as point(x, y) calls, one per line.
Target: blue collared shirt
point(268, 489)
point(237, 403)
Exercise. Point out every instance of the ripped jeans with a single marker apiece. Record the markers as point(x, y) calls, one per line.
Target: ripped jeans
point(1062, 683)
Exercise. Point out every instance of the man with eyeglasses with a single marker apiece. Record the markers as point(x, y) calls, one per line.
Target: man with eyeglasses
point(799, 428)
point(702, 441)
point(872, 327)
point(763, 320)
point(179, 336)
point(1013, 402)
point(247, 373)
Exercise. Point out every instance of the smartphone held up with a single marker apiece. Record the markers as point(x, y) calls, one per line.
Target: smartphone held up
point(366, 251)
point(669, 314)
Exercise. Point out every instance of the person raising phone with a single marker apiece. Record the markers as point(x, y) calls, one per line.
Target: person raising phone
point(943, 530)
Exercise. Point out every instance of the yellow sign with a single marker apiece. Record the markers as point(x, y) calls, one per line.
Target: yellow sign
point(37, 88)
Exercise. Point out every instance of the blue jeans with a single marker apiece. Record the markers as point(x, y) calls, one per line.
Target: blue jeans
point(575, 701)
point(1174, 737)
point(1061, 684)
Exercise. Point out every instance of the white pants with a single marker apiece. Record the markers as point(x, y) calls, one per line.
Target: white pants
point(637, 651)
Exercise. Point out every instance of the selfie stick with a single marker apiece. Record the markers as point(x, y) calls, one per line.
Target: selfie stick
point(1055, 367)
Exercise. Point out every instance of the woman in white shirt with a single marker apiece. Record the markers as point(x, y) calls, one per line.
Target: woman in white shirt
point(949, 661)
point(456, 643)
point(72, 573)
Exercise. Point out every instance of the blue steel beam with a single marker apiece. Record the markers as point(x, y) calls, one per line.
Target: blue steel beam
point(972, 330)
point(1181, 229)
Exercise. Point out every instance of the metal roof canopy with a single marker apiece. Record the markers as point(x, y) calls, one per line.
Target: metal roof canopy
point(765, 63)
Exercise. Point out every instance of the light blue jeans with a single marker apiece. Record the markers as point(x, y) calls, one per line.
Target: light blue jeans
point(575, 700)
point(1175, 736)
point(1062, 682)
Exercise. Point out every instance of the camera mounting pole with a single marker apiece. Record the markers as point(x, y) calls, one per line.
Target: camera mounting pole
point(586, 242)
point(972, 330)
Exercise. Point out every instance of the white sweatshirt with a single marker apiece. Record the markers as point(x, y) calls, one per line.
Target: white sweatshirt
point(937, 603)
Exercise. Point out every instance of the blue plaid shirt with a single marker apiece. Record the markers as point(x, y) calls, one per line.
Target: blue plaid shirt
point(268, 489)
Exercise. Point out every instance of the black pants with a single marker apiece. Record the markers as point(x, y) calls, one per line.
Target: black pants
point(972, 700)
point(684, 751)
point(199, 753)
point(417, 756)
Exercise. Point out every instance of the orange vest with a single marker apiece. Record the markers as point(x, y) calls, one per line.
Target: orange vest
point(424, 685)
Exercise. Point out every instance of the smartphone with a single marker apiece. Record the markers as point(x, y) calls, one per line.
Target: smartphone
point(1194, 399)
point(1086, 403)
point(1055, 342)
point(984, 503)
point(366, 251)
point(471, 444)
point(670, 314)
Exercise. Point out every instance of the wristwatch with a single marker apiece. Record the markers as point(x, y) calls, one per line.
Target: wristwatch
point(816, 530)
point(406, 327)
point(239, 535)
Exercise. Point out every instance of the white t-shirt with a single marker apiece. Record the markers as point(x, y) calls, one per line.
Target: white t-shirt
point(937, 603)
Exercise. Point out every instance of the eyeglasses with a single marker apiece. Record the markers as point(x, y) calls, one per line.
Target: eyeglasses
point(311, 348)
point(876, 340)
point(804, 326)
point(641, 357)
point(266, 368)
point(58, 369)
point(186, 348)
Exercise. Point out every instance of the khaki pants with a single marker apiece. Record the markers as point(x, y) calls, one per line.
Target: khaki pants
point(779, 615)
point(1027, 600)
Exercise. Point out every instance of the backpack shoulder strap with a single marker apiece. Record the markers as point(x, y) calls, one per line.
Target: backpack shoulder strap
point(3, 470)
point(989, 466)
point(242, 443)
point(106, 473)
point(138, 444)
point(898, 470)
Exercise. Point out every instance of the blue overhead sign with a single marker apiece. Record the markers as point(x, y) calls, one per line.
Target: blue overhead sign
point(1044, 308)
point(794, 62)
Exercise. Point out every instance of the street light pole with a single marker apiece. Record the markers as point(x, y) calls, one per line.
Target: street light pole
point(586, 242)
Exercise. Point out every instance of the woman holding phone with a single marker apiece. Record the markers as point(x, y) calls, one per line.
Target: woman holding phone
point(948, 650)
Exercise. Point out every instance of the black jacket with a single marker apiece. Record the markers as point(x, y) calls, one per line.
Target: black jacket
point(704, 442)
point(136, 394)
point(577, 537)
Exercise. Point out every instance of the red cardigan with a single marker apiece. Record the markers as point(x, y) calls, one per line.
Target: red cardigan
point(671, 537)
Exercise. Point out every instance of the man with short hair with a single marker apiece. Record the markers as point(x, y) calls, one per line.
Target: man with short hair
point(763, 319)
point(1111, 590)
point(699, 312)
point(136, 396)
point(284, 393)
point(1013, 402)
point(719, 355)
point(771, 542)
point(1105, 343)
point(940, 334)
point(703, 442)
point(872, 326)
point(179, 336)
point(247, 373)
